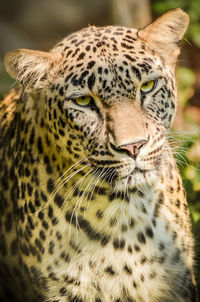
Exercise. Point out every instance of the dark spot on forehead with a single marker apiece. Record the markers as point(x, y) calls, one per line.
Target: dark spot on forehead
point(75, 80)
point(137, 72)
point(81, 56)
point(91, 81)
point(90, 64)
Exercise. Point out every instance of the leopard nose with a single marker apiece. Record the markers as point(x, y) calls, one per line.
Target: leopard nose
point(133, 149)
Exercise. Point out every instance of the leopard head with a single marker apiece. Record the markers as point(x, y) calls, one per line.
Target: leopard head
point(110, 95)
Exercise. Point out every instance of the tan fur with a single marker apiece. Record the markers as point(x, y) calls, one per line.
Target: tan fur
point(128, 130)
point(165, 33)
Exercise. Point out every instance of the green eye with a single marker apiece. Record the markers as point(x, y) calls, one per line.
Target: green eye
point(148, 86)
point(83, 101)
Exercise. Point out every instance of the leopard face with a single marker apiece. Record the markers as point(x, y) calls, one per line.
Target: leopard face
point(109, 69)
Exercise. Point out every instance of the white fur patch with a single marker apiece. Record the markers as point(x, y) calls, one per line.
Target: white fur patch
point(31, 68)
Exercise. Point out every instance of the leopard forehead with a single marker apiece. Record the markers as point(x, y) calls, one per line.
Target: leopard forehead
point(111, 61)
point(94, 38)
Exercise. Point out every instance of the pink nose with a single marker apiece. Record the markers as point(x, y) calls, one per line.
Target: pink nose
point(134, 148)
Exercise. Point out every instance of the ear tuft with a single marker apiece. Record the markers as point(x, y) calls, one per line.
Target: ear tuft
point(166, 32)
point(32, 68)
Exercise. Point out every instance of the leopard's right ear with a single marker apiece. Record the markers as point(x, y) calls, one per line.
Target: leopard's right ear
point(165, 34)
point(33, 69)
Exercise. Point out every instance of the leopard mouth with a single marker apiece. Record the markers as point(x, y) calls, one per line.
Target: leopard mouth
point(112, 174)
point(135, 172)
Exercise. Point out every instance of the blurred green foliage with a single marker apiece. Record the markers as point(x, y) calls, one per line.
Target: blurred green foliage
point(190, 171)
point(188, 157)
point(188, 152)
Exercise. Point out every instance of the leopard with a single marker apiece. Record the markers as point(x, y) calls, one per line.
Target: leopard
point(92, 204)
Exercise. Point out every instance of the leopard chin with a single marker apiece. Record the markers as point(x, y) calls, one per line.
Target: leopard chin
point(129, 177)
point(137, 179)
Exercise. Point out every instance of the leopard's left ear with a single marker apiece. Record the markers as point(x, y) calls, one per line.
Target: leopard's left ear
point(32, 68)
point(165, 33)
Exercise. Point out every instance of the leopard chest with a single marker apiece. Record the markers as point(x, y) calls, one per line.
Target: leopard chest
point(111, 259)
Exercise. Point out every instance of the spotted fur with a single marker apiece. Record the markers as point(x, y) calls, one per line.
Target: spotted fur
point(84, 217)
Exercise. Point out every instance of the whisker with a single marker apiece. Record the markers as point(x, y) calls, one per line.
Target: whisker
point(79, 183)
point(72, 190)
point(71, 167)
point(97, 180)
point(56, 190)
point(64, 181)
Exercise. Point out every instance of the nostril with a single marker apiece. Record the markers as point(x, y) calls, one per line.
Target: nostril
point(134, 148)
point(139, 144)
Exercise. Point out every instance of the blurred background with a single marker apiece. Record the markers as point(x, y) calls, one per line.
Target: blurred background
point(39, 24)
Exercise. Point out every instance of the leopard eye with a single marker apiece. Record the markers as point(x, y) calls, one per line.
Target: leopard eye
point(83, 101)
point(148, 86)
